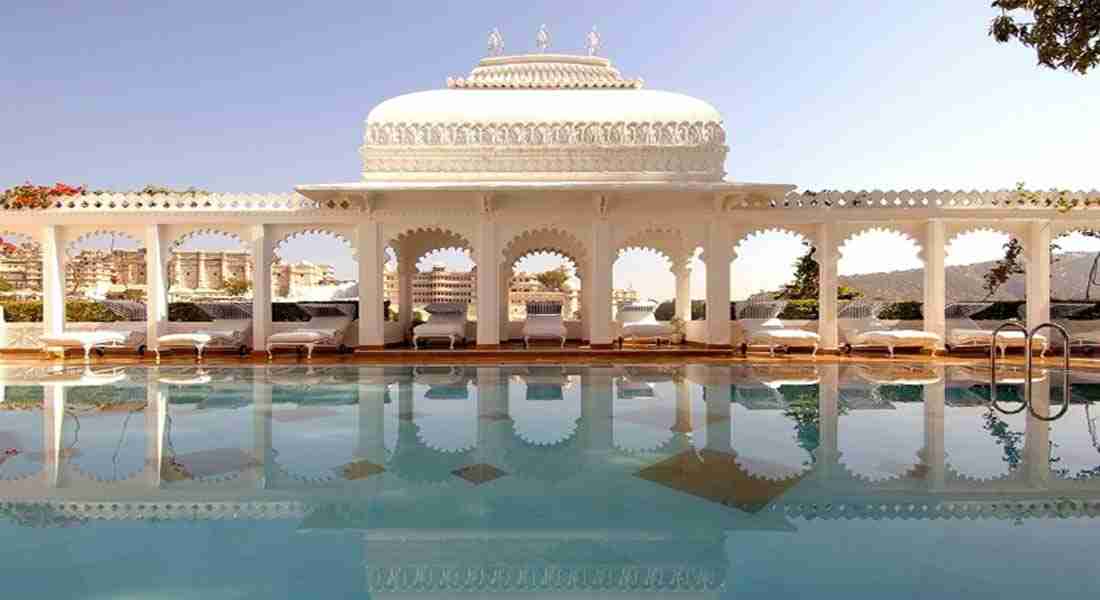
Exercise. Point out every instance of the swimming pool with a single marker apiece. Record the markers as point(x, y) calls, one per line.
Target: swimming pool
point(777, 480)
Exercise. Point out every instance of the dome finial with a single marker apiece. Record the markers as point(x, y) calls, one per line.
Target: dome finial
point(593, 42)
point(496, 42)
point(542, 39)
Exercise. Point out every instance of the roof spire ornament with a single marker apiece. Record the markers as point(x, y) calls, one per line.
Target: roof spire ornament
point(496, 42)
point(542, 39)
point(593, 42)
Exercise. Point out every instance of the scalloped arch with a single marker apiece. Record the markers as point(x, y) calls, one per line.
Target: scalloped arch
point(667, 241)
point(852, 235)
point(771, 229)
point(545, 239)
point(414, 243)
point(186, 236)
point(84, 238)
point(298, 233)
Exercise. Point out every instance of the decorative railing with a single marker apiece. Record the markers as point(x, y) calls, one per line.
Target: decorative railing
point(98, 203)
point(925, 199)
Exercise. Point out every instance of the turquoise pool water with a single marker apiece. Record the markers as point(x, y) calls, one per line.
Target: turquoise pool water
point(789, 480)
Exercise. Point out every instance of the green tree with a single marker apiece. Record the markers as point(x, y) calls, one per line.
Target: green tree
point(236, 286)
point(805, 284)
point(555, 280)
point(6, 286)
point(1065, 34)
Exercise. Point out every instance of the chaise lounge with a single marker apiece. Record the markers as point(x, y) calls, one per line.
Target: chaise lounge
point(865, 330)
point(446, 320)
point(760, 320)
point(544, 321)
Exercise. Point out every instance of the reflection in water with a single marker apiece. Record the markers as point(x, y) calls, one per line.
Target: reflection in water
point(533, 478)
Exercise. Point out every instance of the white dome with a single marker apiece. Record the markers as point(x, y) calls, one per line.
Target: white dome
point(530, 106)
point(544, 117)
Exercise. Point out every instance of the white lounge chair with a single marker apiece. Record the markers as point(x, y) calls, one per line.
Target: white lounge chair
point(639, 321)
point(87, 340)
point(446, 320)
point(222, 333)
point(323, 329)
point(544, 321)
point(760, 320)
point(864, 330)
point(964, 333)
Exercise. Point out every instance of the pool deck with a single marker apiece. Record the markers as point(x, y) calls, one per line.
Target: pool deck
point(517, 354)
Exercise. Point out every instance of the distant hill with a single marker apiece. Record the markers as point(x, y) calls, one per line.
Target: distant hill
point(1070, 274)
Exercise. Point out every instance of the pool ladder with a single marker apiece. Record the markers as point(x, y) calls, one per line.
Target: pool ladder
point(1028, 336)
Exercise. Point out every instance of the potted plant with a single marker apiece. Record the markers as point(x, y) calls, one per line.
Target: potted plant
point(678, 325)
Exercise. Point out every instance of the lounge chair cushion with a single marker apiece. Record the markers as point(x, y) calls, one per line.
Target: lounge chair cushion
point(983, 337)
point(73, 339)
point(302, 336)
point(896, 338)
point(185, 339)
point(784, 337)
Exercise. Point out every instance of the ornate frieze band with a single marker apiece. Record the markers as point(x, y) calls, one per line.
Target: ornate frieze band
point(667, 151)
point(553, 71)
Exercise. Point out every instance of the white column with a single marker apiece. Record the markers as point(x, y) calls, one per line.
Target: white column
point(156, 311)
point(372, 398)
point(371, 289)
point(505, 298)
point(1037, 435)
point(53, 421)
point(488, 285)
point(1038, 273)
point(934, 454)
point(53, 280)
point(203, 282)
point(600, 331)
point(156, 418)
point(718, 398)
point(683, 292)
point(597, 424)
point(719, 253)
point(826, 252)
point(935, 279)
point(263, 453)
point(261, 248)
point(827, 452)
point(404, 294)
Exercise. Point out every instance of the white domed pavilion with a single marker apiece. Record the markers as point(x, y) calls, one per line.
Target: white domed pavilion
point(541, 153)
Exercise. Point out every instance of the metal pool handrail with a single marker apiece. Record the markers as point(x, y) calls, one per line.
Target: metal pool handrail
point(1028, 336)
point(993, 368)
point(1065, 372)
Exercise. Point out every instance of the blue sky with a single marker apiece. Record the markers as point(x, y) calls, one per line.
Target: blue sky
point(260, 96)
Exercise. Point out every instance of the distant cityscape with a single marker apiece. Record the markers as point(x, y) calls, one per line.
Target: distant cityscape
point(226, 275)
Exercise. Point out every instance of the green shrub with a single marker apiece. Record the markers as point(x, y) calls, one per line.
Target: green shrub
point(902, 311)
point(802, 310)
point(1000, 311)
point(76, 311)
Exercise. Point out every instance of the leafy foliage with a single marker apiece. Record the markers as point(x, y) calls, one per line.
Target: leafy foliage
point(806, 286)
point(36, 197)
point(1064, 33)
point(237, 286)
point(555, 280)
point(5, 286)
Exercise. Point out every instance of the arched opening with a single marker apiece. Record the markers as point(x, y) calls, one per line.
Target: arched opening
point(20, 267)
point(211, 266)
point(544, 267)
point(314, 280)
point(105, 265)
point(778, 267)
point(431, 269)
point(883, 267)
